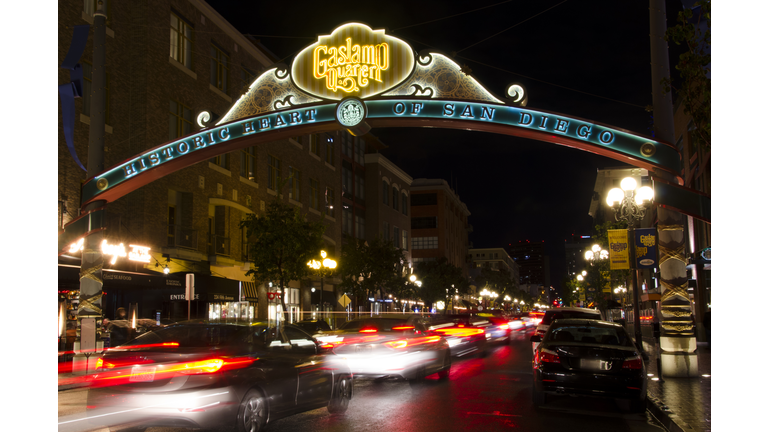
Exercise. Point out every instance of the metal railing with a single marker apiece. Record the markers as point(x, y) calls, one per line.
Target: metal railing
point(183, 237)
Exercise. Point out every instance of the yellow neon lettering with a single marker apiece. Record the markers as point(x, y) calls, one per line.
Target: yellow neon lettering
point(348, 67)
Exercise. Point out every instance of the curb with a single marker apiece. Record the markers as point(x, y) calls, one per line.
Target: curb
point(665, 416)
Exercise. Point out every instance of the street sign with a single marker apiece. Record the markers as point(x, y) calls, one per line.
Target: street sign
point(344, 300)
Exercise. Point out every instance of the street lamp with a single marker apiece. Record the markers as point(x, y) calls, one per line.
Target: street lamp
point(629, 203)
point(324, 267)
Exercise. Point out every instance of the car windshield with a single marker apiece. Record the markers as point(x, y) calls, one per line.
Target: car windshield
point(199, 335)
point(380, 324)
point(589, 334)
point(556, 315)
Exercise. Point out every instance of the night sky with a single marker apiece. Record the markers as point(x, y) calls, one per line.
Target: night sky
point(588, 59)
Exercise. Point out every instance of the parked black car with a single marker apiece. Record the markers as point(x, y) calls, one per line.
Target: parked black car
point(208, 375)
point(589, 358)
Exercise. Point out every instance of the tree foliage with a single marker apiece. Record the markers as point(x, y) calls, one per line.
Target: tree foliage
point(694, 65)
point(440, 280)
point(281, 243)
point(366, 269)
point(499, 281)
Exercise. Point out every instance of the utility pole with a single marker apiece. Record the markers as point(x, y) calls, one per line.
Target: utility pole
point(90, 314)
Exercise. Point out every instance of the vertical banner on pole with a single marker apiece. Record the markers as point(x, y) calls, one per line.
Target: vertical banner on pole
point(618, 248)
point(190, 293)
point(645, 248)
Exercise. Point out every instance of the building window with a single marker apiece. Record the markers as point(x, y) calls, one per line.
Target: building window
point(219, 68)
point(248, 163)
point(424, 243)
point(181, 41)
point(329, 152)
point(312, 141)
point(405, 240)
point(179, 121)
point(405, 203)
point(384, 193)
point(360, 151)
point(294, 179)
point(247, 77)
point(423, 199)
point(386, 231)
point(346, 181)
point(360, 222)
point(314, 201)
point(274, 169)
point(394, 198)
point(346, 220)
point(346, 144)
point(87, 88)
point(424, 222)
point(330, 201)
point(359, 187)
point(396, 236)
point(221, 160)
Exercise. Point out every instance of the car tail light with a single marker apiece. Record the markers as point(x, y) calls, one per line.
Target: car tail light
point(403, 328)
point(99, 363)
point(546, 356)
point(504, 326)
point(205, 366)
point(632, 363)
point(368, 330)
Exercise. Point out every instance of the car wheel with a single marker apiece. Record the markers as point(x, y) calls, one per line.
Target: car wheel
point(252, 415)
point(342, 393)
point(418, 379)
point(539, 397)
point(443, 374)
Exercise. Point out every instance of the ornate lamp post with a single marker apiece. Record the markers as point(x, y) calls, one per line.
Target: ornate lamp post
point(630, 203)
point(323, 268)
point(594, 257)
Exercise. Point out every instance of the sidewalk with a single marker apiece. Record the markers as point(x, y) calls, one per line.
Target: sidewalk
point(681, 404)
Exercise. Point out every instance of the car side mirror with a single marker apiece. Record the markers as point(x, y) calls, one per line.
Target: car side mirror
point(535, 338)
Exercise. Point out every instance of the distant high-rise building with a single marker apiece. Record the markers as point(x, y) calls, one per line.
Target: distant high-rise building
point(532, 260)
point(574, 253)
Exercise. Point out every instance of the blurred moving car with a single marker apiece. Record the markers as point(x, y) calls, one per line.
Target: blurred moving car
point(592, 358)
point(497, 330)
point(465, 333)
point(313, 326)
point(208, 375)
point(392, 345)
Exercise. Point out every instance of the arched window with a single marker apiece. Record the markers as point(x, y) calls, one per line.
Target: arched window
point(404, 197)
point(384, 192)
point(394, 198)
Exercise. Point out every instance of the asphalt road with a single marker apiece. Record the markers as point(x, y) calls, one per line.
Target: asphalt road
point(488, 394)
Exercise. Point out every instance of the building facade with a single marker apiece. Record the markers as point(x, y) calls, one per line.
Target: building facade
point(533, 261)
point(439, 224)
point(166, 62)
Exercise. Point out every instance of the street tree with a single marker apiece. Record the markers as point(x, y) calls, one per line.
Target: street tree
point(370, 268)
point(499, 281)
point(280, 243)
point(440, 280)
point(693, 30)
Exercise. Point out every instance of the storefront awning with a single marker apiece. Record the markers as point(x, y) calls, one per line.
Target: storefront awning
point(250, 292)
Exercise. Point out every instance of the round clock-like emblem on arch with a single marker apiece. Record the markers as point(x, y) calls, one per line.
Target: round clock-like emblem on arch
point(350, 112)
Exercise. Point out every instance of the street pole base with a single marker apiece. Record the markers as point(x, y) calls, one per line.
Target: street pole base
point(679, 365)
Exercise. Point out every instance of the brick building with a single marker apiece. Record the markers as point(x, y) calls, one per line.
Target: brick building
point(439, 224)
point(167, 61)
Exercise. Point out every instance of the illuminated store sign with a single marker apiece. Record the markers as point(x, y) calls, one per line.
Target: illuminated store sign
point(137, 253)
point(354, 60)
